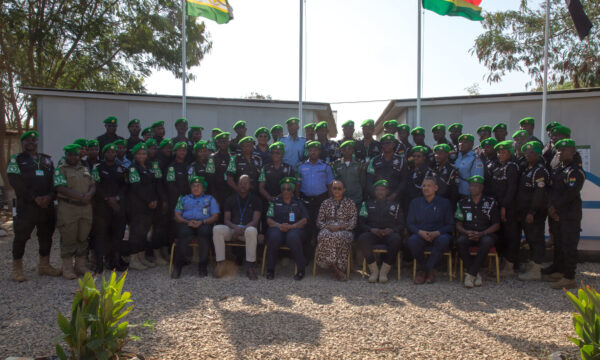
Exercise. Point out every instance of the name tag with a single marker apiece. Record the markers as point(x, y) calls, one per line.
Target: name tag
point(39, 172)
point(204, 211)
point(292, 217)
point(469, 216)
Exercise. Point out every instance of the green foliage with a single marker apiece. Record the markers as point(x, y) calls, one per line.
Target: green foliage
point(586, 321)
point(514, 41)
point(97, 329)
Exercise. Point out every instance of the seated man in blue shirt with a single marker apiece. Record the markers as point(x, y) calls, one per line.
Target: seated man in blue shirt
point(431, 222)
point(195, 215)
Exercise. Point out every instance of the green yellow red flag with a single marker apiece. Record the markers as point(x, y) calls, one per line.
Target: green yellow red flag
point(466, 8)
point(216, 10)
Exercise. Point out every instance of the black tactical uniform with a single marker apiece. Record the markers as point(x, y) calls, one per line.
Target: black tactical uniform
point(329, 151)
point(240, 165)
point(142, 191)
point(380, 215)
point(32, 177)
point(106, 139)
point(366, 153)
point(176, 182)
point(206, 170)
point(272, 176)
point(414, 188)
point(447, 181)
point(395, 171)
point(222, 189)
point(131, 142)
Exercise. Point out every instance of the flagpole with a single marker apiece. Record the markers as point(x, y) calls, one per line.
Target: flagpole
point(419, 67)
point(545, 94)
point(183, 62)
point(301, 63)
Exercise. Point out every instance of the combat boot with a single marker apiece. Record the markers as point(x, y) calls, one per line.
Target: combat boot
point(80, 266)
point(385, 269)
point(134, 262)
point(374, 270)
point(44, 268)
point(17, 273)
point(533, 273)
point(158, 258)
point(67, 268)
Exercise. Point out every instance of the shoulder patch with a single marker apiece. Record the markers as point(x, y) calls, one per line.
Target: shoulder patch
point(13, 166)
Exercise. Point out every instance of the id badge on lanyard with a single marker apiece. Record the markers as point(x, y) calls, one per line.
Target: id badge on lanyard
point(39, 172)
point(469, 216)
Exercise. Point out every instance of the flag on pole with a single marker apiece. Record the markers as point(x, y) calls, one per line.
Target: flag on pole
point(583, 25)
point(466, 8)
point(216, 10)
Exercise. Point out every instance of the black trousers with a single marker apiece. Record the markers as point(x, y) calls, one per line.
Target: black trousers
point(367, 240)
point(30, 216)
point(161, 224)
point(313, 204)
point(566, 239)
point(185, 235)
point(472, 264)
point(108, 230)
point(509, 240)
point(535, 236)
point(292, 239)
point(141, 221)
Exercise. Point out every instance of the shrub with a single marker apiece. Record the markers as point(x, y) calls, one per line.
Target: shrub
point(96, 329)
point(586, 321)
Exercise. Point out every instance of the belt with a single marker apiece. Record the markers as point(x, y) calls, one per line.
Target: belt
point(72, 202)
point(310, 198)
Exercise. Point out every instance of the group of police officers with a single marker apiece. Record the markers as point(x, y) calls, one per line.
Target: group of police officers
point(106, 184)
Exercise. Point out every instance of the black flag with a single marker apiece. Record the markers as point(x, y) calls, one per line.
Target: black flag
point(580, 19)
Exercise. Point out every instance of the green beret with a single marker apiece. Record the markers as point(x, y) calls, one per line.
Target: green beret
point(198, 180)
point(72, 149)
point(418, 148)
point(564, 143)
point(110, 120)
point(527, 121)
point(560, 129)
point(247, 139)
point(120, 142)
point(403, 127)
point(93, 142)
point(180, 145)
point(467, 137)
point(505, 145)
point(393, 123)
point(348, 123)
point(288, 180)
point(387, 137)
point(520, 133)
point(314, 144)
point(438, 127)
point(478, 179)
point(442, 147)
point(310, 125)
point(29, 134)
point(181, 120)
point(486, 128)
point(223, 135)
point(202, 144)
point(147, 131)
point(368, 122)
point(292, 120)
point(133, 121)
point(217, 130)
point(238, 124)
point(418, 131)
point(109, 146)
point(347, 143)
point(151, 142)
point(551, 125)
point(321, 125)
point(277, 145)
point(532, 145)
point(261, 130)
point(140, 146)
point(489, 142)
point(458, 126)
point(165, 142)
point(500, 126)
point(81, 142)
point(381, 182)
point(193, 129)
point(277, 127)
point(158, 124)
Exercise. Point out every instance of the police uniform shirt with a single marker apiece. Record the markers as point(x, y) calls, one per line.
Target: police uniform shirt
point(329, 151)
point(555, 161)
point(504, 182)
point(565, 194)
point(110, 180)
point(414, 186)
point(265, 156)
point(205, 170)
point(234, 147)
point(362, 152)
point(430, 155)
point(142, 185)
point(177, 179)
point(221, 162)
point(395, 171)
point(467, 165)
point(106, 139)
point(282, 213)
point(192, 207)
point(532, 196)
point(239, 165)
point(30, 177)
point(478, 217)
point(402, 149)
point(131, 142)
point(447, 181)
point(314, 178)
point(384, 214)
point(242, 210)
point(271, 177)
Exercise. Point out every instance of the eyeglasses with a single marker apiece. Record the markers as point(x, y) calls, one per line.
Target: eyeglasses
point(338, 188)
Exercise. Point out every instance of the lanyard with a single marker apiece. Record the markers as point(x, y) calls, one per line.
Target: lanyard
point(242, 211)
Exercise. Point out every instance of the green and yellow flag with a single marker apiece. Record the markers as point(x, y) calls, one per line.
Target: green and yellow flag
point(216, 10)
point(466, 8)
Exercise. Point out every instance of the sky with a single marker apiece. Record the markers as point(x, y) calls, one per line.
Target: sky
point(354, 51)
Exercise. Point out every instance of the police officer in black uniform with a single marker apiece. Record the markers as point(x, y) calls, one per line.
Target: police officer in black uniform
point(367, 148)
point(271, 174)
point(110, 124)
point(108, 210)
point(388, 166)
point(30, 175)
point(246, 163)
point(418, 135)
point(381, 222)
point(134, 128)
point(240, 129)
point(565, 209)
point(419, 171)
point(403, 147)
point(204, 166)
point(447, 175)
point(329, 148)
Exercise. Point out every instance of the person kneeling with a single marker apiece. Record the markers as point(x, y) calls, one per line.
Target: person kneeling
point(195, 215)
point(242, 214)
point(286, 218)
point(381, 222)
point(477, 221)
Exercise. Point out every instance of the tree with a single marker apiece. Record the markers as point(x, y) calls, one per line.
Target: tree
point(258, 96)
point(104, 45)
point(514, 41)
point(473, 90)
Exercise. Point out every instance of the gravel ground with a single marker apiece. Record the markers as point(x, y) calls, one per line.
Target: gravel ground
point(315, 318)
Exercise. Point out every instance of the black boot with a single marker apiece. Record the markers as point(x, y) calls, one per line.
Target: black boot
point(202, 270)
point(176, 274)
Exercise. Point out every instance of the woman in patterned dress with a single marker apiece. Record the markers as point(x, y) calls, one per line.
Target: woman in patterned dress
point(337, 218)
